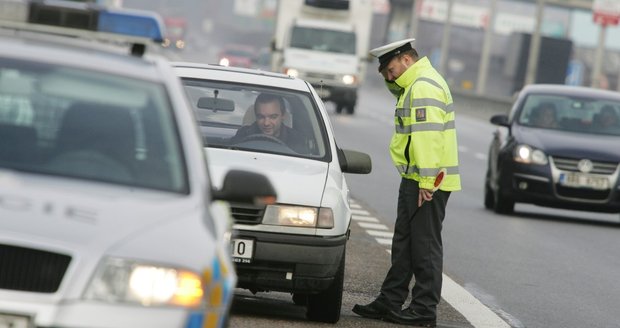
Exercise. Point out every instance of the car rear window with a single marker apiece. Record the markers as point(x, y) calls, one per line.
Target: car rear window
point(76, 123)
point(228, 119)
point(569, 113)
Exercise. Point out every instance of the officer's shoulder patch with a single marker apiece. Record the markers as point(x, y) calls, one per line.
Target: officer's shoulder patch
point(420, 114)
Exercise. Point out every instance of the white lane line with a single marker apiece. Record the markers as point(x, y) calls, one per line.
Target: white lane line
point(360, 212)
point(374, 226)
point(365, 218)
point(463, 149)
point(355, 206)
point(384, 241)
point(384, 234)
point(478, 315)
point(480, 156)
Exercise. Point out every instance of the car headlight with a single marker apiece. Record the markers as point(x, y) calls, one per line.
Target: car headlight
point(299, 216)
point(292, 72)
point(224, 61)
point(348, 79)
point(527, 155)
point(119, 280)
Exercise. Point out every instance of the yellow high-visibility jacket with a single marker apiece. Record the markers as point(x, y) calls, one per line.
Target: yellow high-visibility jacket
point(424, 139)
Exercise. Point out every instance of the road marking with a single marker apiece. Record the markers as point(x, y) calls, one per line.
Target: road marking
point(480, 156)
point(365, 218)
point(355, 206)
point(478, 314)
point(385, 234)
point(360, 212)
point(376, 226)
point(384, 241)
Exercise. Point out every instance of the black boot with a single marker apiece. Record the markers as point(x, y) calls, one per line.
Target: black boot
point(374, 310)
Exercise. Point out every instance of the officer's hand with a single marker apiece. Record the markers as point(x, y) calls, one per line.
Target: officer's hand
point(424, 195)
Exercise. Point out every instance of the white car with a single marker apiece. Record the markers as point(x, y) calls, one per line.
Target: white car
point(107, 213)
point(297, 245)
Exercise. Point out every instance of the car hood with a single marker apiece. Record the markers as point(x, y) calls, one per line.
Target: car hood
point(78, 215)
point(296, 180)
point(570, 144)
point(318, 61)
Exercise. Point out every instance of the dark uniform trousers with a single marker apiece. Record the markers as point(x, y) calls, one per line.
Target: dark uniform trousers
point(417, 251)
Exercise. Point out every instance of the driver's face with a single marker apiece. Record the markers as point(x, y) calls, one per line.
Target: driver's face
point(269, 118)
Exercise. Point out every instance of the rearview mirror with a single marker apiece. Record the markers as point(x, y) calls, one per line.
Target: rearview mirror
point(352, 161)
point(246, 187)
point(501, 120)
point(216, 104)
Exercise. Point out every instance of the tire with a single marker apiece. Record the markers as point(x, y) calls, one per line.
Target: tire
point(350, 109)
point(300, 299)
point(325, 306)
point(489, 198)
point(339, 108)
point(503, 204)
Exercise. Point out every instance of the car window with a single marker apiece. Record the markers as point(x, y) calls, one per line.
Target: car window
point(89, 125)
point(228, 119)
point(583, 115)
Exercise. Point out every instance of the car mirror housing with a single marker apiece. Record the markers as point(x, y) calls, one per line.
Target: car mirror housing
point(352, 161)
point(246, 187)
point(501, 120)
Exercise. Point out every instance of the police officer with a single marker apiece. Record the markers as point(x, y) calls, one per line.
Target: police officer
point(424, 142)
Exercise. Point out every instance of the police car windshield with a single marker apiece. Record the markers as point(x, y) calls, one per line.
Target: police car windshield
point(89, 125)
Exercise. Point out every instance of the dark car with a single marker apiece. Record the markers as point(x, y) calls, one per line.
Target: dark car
point(558, 147)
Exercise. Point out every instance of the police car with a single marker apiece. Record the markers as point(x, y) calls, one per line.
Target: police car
point(107, 213)
point(297, 245)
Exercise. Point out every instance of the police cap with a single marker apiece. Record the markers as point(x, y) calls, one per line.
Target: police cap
point(387, 52)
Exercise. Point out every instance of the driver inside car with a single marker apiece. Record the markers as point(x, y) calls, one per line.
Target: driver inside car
point(270, 114)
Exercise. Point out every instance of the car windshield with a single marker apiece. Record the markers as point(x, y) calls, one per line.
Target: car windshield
point(574, 114)
point(323, 40)
point(229, 118)
point(83, 124)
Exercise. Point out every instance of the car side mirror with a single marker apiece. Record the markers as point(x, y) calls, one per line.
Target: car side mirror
point(246, 187)
point(352, 161)
point(501, 120)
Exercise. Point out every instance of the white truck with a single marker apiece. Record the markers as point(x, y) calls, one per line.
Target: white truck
point(324, 42)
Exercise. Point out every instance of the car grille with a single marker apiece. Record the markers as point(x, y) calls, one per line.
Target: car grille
point(31, 270)
point(247, 214)
point(570, 164)
point(320, 76)
point(582, 193)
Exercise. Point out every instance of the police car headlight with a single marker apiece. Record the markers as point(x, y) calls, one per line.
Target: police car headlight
point(119, 280)
point(348, 79)
point(528, 155)
point(299, 216)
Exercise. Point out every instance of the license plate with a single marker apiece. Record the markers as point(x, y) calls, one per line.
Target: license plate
point(579, 180)
point(14, 321)
point(242, 250)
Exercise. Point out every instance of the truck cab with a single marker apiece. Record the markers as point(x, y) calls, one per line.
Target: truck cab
point(325, 43)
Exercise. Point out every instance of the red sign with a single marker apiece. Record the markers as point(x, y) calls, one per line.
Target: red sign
point(606, 12)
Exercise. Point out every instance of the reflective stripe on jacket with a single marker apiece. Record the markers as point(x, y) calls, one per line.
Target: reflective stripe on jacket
point(424, 139)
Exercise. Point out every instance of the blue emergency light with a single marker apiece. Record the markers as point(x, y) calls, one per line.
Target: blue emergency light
point(86, 20)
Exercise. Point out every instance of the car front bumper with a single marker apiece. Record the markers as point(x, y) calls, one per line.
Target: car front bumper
point(541, 185)
point(78, 313)
point(290, 263)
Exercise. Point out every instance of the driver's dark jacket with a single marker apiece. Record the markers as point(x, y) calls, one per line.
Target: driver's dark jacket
point(292, 138)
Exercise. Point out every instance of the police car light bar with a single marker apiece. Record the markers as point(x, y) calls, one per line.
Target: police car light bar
point(82, 20)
